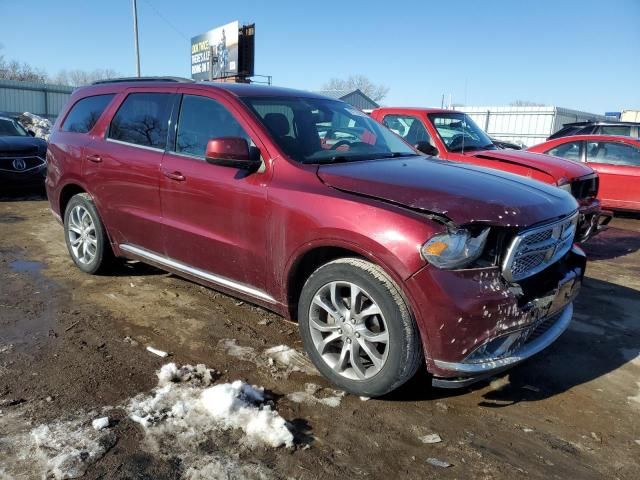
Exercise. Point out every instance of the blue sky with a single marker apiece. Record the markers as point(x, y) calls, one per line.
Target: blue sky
point(578, 54)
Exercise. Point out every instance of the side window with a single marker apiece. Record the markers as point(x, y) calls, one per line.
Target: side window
point(142, 119)
point(614, 130)
point(202, 119)
point(613, 153)
point(85, 113)
point(408, 127)
point(570, 151)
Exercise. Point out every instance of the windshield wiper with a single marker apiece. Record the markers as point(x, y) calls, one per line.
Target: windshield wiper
point(466, 148)
point(334, 159)
point(399, 154)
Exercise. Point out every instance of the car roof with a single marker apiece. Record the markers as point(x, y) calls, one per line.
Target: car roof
point(419, 109)
point(595, 137)
point(599, 122)
point(236, 89)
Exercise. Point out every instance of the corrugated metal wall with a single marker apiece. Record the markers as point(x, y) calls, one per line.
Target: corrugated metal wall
point(527, 125)
point(39, 98)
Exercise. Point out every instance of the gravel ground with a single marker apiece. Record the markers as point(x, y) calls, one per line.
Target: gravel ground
point(73, 348)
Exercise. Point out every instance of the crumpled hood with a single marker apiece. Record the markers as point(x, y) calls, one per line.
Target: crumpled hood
point(22, 146)
point(463, 193)
point(555, 166)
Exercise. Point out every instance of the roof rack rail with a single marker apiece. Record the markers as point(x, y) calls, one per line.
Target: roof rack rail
point(143, 79)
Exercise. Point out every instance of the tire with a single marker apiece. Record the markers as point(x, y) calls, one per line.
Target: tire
point(369, 366)
point(85, 235)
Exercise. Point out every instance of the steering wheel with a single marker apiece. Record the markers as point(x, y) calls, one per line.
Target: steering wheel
point(341, 143)
point(456, 141)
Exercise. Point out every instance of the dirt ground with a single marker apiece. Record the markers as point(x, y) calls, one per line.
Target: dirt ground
point(72, 347)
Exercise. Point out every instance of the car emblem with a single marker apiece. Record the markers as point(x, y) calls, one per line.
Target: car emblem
point(19, 164)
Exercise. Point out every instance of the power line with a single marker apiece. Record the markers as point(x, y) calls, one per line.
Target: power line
point(153, 7)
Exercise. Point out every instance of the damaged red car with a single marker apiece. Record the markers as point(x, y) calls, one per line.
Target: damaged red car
point(390, 261)
point(453, 135)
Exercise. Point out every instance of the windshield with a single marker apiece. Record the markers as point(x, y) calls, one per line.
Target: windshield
point(11, 128)
point(459, 133)
point(317, 130)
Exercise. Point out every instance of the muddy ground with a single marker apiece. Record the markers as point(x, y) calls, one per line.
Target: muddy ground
point(72, 347)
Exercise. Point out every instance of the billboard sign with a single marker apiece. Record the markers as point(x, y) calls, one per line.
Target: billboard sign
point(215, 50)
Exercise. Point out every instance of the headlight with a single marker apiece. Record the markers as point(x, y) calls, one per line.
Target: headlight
point(454, 249)
point(564, 184)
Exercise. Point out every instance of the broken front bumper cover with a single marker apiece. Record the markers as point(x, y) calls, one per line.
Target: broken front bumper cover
point(530, 341)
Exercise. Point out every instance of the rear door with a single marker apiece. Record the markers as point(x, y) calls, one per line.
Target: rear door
point(215, 216)
point(618, 165)
point(123, 167)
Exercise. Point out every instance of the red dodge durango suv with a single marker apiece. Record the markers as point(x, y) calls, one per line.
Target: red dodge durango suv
point(387, 259)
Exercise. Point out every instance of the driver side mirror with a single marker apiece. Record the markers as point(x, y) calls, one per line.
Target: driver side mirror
point(426, 148)
point(31, 132)
point(232, 152)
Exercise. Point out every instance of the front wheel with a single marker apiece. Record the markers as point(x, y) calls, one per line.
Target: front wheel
point(357, 328)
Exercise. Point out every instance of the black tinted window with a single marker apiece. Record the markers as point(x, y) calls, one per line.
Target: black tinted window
point(85, 113)
point(202, 119)
point(142, 119)
point(408, 127)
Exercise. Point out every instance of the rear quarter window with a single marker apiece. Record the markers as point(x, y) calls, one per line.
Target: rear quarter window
point(85, 113)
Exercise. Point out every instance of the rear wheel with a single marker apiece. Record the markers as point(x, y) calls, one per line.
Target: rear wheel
point(357, 328)
point(85, 235)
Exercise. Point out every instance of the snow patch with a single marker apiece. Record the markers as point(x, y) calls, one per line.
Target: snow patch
point(182, 408)
point(59, 450)
point(39, 125)
point(310, 397)
point(280, 360)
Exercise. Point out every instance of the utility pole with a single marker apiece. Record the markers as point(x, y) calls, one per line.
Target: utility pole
point(135, 36)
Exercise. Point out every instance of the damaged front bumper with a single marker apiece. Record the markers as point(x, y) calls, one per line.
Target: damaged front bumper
point(591, 220)
point(478, 324)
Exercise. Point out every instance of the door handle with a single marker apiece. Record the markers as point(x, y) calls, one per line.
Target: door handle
point(177, 176)
point(94, 158)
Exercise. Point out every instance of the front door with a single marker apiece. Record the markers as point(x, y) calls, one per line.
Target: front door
point(214, 216)
point(618, 166)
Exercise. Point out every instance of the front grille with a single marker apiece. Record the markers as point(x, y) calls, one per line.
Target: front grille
point(585, 187)
point(20, 164)
point(533, 250)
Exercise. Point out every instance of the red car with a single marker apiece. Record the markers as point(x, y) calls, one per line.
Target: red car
point(454, 136)
point(387, 259)
point(615, 158)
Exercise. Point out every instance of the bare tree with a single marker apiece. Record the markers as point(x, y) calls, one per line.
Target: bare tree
point(78, 78)
point(525, 103)
point(360, 82)
point(14, 70)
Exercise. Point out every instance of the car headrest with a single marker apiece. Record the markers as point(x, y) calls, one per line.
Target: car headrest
point(277, 123)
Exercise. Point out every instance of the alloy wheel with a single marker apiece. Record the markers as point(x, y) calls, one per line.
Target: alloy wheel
point(81, 230)
point(349, 330)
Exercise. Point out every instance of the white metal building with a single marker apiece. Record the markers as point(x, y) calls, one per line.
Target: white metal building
point(526, 125)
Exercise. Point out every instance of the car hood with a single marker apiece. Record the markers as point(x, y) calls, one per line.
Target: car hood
point(22, 146)
point(554, 166)
point(461, 192)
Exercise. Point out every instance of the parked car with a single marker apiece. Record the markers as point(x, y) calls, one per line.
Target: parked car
point(387, 259)
point(23, 163)
point(616, 159)
point(628, 129)
point(453, 135)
